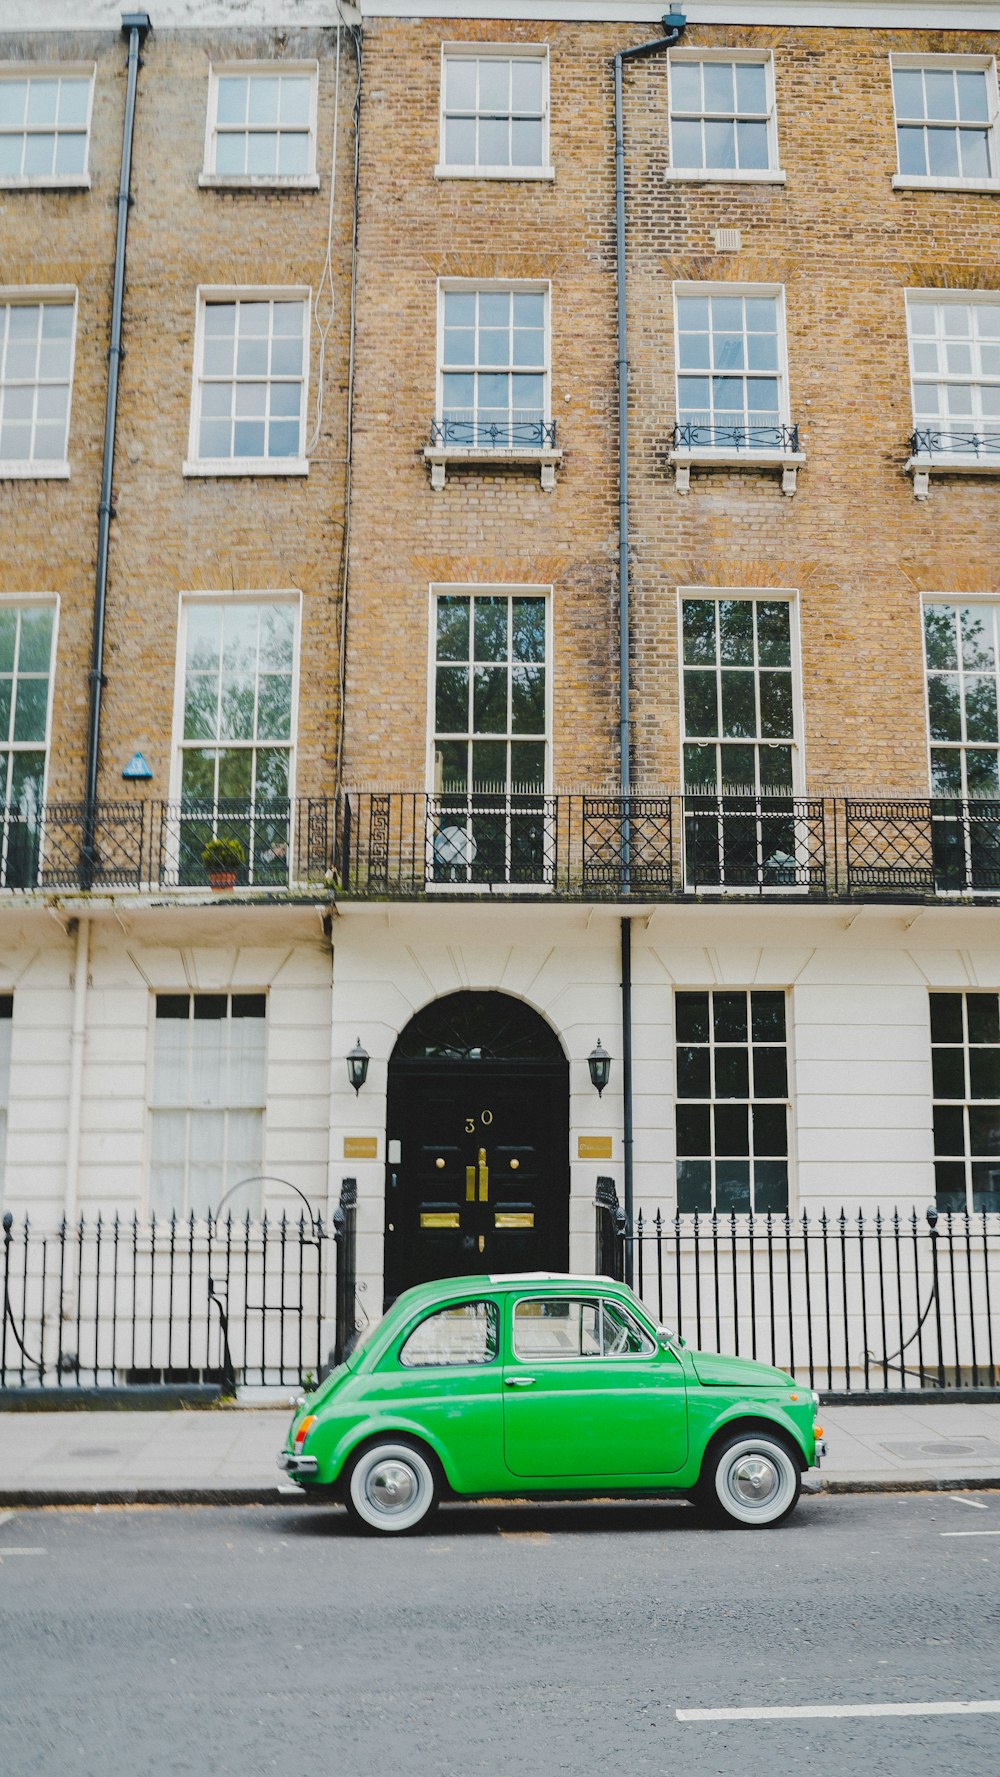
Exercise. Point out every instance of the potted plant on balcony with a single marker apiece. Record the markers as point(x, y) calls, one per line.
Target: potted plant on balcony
point(222, 858)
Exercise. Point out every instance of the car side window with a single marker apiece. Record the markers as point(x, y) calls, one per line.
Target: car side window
point(462, 1333)
point(567, 1327)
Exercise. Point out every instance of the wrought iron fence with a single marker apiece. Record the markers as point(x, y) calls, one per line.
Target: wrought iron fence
point(740, 433)
point(118, 1302)
point(157, 845)
point(483, 431)
point(594, 846)
point(930, 441)
point(853, 1303)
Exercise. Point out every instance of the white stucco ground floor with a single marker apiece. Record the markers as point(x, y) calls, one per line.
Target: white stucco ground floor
point(163, 1056)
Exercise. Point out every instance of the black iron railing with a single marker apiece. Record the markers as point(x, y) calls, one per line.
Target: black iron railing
point(474, 431)
point(121, 1302)
point(663, 847)
point(851, 1303)
point(739, 433)
point(931, 441)
point(159, 845)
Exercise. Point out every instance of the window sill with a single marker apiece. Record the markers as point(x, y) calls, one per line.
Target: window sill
point(789, 462)
point(513, 175)
point(53, 182)
point(34, 471)
point(724, 176)
point(913, 182)
point(246, 466)
point(469, 456)
point(923, 467)
point(251, 182)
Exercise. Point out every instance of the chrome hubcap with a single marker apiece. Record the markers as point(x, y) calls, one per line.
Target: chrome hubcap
point(754, 1480)
point(391, 1486)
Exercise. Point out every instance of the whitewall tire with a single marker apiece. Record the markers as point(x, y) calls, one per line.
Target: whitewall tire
point(392, 1487)
point(753, 1480)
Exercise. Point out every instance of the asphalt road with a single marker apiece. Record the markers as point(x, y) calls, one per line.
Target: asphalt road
point(535, 1640)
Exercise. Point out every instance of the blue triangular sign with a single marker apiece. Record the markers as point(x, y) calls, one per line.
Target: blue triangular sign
point(137, 767)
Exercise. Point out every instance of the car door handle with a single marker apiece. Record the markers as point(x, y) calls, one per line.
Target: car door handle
point(519, 1381)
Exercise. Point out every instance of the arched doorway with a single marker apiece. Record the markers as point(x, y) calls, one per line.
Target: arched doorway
point(477, 1143)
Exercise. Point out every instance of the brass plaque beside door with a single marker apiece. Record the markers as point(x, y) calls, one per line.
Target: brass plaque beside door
point(361, 1147)
point(593, 1147)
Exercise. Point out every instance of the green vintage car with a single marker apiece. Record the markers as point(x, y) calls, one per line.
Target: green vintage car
point(546, 1384)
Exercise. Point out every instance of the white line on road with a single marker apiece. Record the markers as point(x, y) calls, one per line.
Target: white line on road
point(5, 1551)
point(959, 1500)
point(813, 1711)
point(969, 1533)
point(4, 1516)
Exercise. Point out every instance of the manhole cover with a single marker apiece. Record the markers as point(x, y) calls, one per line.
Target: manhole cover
point(91, 1450)
point(984, 1449)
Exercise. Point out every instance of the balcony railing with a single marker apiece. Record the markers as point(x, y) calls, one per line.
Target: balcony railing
point(590, 847)
point(159, 845)
point(930, 442)
point(474, 431)
point(373, 844)
point(740, 433)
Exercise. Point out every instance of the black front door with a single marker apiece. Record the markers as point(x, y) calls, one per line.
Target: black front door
point(478, 1172)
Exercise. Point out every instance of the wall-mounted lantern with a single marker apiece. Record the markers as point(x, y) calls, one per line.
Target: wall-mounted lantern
point(599, 1063)
point(357, 1066)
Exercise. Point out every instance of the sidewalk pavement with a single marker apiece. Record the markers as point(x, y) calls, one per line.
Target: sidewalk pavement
point(226, 1456)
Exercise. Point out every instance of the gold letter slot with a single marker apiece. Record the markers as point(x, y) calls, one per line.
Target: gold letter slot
point(512, 1220)
point(470, 1184)
point(484, 1177)
point(447, 1218)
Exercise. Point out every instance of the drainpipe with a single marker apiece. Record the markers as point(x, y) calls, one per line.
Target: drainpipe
point(673, 26)
point(78, 1039)
point(135, 24)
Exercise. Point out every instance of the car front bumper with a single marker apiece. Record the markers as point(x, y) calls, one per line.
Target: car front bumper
point(297, 1465)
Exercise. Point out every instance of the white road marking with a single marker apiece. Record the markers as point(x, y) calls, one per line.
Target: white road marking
point(5, 1551)
point(969, 1533)
point(5, 1517)
point(814, 1711)
point(959, 1500)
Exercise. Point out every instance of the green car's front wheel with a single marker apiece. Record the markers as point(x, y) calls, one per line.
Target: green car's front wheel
point(751, 1479)
point(392, 1487)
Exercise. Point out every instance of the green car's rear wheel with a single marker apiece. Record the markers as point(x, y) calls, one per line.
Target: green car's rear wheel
point(751, 1479)
point(392, 1487)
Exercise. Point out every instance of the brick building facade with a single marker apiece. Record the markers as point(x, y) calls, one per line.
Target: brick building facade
point(801, 883)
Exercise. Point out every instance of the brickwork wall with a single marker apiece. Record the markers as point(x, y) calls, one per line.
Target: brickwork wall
point(172, 535)
point(853, 541)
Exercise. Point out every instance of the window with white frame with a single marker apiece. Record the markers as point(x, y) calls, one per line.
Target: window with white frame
point(722, 115)
point(44, 125)
point(733, 1108)
point(965, 1060)
point(27, 635)
point(262, 124)
point(36, 373)
point(6, 1032)
point(741, 828)
point(962, 654)
point(207, 1103)
point(490, 735)
point(250, 383)
point(946, 119)
point(731, 380)
point(236, 735)
point(494, 111)
point(955, 375)
point(494, 376)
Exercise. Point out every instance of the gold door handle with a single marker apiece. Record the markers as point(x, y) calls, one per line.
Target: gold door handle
point(470, 1184)
point(484, 1177)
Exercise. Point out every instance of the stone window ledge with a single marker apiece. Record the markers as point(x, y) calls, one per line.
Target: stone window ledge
point(248, 466)
point(472, 457)
point(726, 175)
point(48, 182)
point(923, 467)
point(34, 471)
point(258, 182)
point(510, 174)
point(922, 182)
point(789, 462)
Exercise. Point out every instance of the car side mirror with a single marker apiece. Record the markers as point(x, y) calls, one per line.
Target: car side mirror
point(670, 1341)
